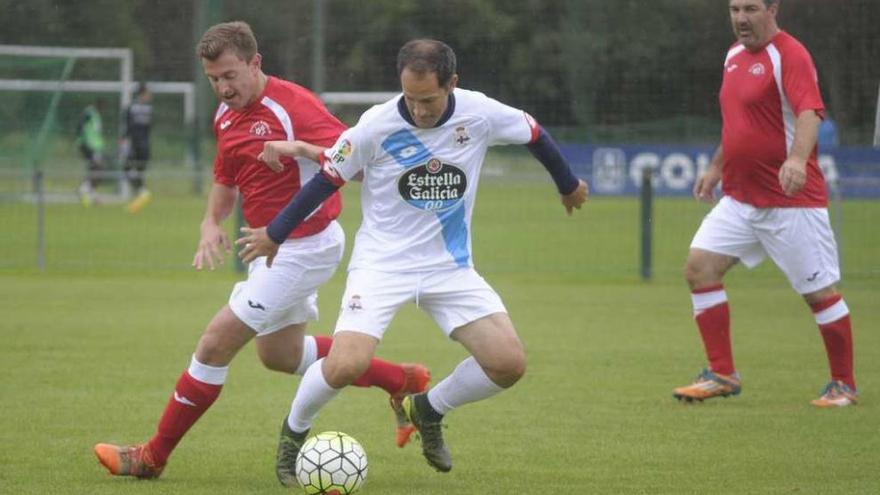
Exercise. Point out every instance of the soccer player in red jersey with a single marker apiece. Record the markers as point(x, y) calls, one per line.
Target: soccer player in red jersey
point(775, 201)
point(273, 305)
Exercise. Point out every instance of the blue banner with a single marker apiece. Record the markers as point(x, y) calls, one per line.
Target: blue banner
point(617, 170)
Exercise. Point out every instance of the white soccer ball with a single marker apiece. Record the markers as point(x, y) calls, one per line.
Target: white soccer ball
point(331, 462)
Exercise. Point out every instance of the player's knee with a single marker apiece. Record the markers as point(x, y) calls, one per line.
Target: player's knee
point(696, 274)
point(280, 363)
point(213, 350)
point(509, 369)
point(340, 373)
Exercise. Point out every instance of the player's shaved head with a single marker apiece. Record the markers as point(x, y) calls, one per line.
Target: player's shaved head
point(425, 56)
point(236, 36)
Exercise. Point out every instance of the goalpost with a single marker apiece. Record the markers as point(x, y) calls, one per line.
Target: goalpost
point(877, 120)
point(123, 87)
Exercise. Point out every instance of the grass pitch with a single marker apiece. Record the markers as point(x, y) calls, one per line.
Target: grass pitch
point(90, 352)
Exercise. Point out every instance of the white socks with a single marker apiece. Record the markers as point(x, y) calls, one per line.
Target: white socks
point(313, 393)
point(467, 383)
point(211, 375)
point(309, 354)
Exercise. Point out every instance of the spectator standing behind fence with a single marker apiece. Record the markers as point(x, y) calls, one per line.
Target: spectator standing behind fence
point(135, 146)
point(775, 201)
point(90, 139)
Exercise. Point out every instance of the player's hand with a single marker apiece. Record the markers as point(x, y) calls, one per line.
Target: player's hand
point(214, 245)
point(793, 176)
point(256, 243)
point(704, 186)
point(272, 153)
point(576, 198)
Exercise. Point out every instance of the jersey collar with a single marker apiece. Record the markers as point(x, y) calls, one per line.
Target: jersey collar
point(447, 114)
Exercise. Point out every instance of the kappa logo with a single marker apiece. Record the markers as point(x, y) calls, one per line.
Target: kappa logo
point(256, 305)
point(183, 400)
point(260, 128)
point(354, 304)
point(757, 69)
point(225, 124)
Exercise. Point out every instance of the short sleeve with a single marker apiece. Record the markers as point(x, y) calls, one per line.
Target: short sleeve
point(508, 125)
point(800, 81)
point(351, 153)
point(313, 123)
point(223, 174)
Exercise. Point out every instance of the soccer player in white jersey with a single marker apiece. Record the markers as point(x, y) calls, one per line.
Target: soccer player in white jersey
point(420, 154)
point(775, 201)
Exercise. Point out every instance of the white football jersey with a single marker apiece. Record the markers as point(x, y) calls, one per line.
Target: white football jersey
point(420, 184)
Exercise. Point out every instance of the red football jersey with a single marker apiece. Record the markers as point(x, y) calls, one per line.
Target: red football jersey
point(284, 111)
point(761, 95)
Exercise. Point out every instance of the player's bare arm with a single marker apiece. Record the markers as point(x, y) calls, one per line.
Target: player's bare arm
point(214, 244)
point(704, 187)
point(274, 150)
point(793, 173)
point(576, 198)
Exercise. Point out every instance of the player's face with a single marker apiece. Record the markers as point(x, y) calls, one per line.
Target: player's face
point(424, 97)
point(753, 22)
point(234, 81)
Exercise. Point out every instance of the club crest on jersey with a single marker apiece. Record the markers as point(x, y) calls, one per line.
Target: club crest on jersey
point(354, 304)
point(757, 69)
point(433, 186)
point(461, 136)
point(260, 128)
point(341, 151)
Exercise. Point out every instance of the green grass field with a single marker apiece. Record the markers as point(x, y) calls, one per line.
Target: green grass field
point(91, 349)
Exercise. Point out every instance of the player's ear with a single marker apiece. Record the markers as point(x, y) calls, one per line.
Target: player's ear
point(257, 62)
point(453, 83)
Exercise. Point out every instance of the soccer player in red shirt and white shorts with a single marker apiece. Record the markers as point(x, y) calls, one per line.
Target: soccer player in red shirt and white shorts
point(273, 305)
point(775, 201)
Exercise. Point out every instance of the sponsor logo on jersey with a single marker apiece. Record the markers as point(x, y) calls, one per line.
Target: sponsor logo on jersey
point(731, 67)
point(225, 124)
point(340, 152)
point(433, 186)
point(461, 136)
point(757, 69)
point(260, 128)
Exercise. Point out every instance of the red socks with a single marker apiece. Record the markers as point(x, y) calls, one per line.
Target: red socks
point(383, 374)
point(832, 316)
point(190, 400)
point(712, 315)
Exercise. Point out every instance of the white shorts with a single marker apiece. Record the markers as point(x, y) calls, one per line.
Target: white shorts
point(799, 240)
point(287, 293)
point(451, 297)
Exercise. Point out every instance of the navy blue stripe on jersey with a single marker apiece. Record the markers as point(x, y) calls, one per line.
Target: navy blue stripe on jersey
point(408, 151)
point(447, 114)
point(304, 202)
point(547, 152)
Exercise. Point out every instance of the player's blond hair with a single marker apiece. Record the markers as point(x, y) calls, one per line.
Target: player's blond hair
point(236, 36)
